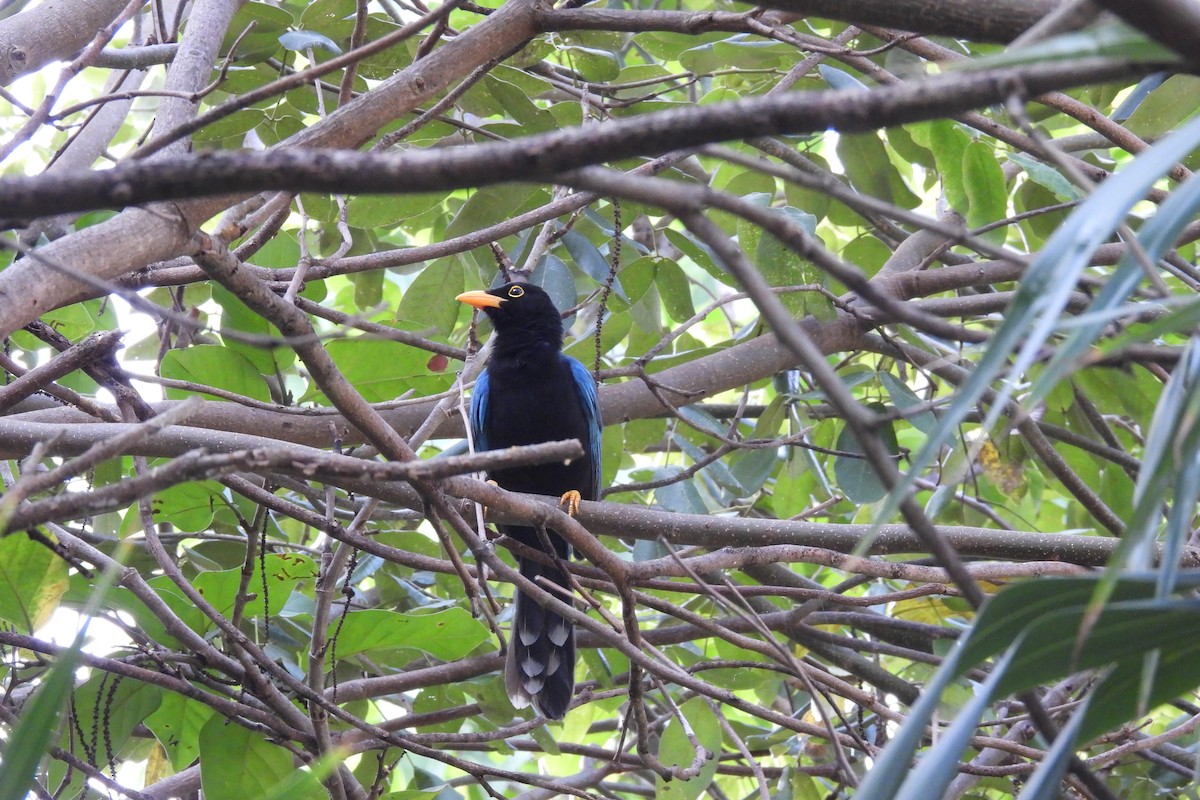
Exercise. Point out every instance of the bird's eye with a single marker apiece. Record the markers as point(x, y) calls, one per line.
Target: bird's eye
point(516, 291)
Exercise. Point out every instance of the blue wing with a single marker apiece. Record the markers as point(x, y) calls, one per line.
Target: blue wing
point(478, 413)
point(591, 411)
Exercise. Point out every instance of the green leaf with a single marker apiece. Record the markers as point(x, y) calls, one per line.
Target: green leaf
point(987, 196)
point(1124, 632)
point(871, 171)
point(220, 589)
point(1119, 697)
point(238, 764)
point(262, 24)
point(675, 290)
point(382, 370)
point(588, 258)
point(487, 206)
point(752, 468)
point(518, 106)
point(368, 288)
point(1114, 40)
point(30, 737)
point(638, 277)
point(177, 724)
point(839, 79)
point(865, 252)
point(854, 475)
point(675, 750)
point(187, 506)
point(32, 582)
point(680, 496)
point(1047, 176)
point(904, 399)
point(387, 210)
point(553, 275)
point(598, 66)
point(80, 319)
point(216, 366)
point(429, 301)
point(783, 266)
point(949, 145)
point(303, 40)
point(448, 635)
point(1009, 612)
point(237, 317)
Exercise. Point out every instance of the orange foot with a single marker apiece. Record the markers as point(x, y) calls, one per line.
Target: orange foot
point(571, 500)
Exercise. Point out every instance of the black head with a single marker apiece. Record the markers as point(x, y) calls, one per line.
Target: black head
point(520, 313)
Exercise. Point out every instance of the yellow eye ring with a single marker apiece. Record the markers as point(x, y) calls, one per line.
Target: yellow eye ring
point(516, 291)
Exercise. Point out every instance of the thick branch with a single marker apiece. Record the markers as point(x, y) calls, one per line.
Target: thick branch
point(52, 31)
point(540, 157)
point(998, 21)
point(1175, 23)
point(138, 237)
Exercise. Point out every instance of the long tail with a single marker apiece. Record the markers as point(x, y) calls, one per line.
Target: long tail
point(541, 654)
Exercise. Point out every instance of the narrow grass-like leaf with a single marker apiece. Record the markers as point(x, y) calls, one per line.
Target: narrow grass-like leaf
point(940, 765)
point(1007, 614)
point(1116, 40)
point(1155, 238)
point(1119, 699)
point(1183, 503)
point(1122, 633)
point(38, 722)
point(1139, 93)
point(1044, 783)
point(895, 761)
point(1043, 293)
point(1174, 435)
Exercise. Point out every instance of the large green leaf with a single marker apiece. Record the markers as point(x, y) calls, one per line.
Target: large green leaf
point(854, 474)
point(382, 370)
point(448, 635)
point(239, 764)
point(429, 301)
point(219, 367)
point(177, 723)
point(32, 581)
point(675, 750)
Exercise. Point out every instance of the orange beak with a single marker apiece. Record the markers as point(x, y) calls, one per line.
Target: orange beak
point(480, 299)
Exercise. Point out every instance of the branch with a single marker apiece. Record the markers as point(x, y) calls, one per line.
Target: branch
point(95, 347)
point(542, 157)
point(193, 64)
point(994, 21)
point(1175, 23)
point(52, 31)
point(138, 237)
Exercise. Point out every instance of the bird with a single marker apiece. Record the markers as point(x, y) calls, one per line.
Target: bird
point(531, 392)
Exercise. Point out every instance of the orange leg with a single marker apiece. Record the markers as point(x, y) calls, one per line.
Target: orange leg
point(571, 500)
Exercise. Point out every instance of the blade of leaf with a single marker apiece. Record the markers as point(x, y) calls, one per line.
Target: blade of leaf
point(939, 766)
point(30, 739)
point(1155, 238)
point(1043, 293)
point(894, 762)
point(1044, 784)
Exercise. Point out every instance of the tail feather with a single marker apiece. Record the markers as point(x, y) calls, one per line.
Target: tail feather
point(540, 668)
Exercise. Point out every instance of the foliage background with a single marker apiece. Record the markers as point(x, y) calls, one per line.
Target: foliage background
point(890, 303)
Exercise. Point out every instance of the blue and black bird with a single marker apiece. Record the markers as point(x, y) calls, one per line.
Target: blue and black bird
point(532, 393)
